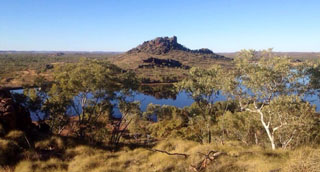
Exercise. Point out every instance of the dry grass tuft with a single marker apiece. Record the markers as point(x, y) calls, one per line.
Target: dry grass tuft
point(238, 158)
point(52, 165)
point(53, 142)
point(8, 151)
point(304, 160)
point(88, 163)
point(19, 137)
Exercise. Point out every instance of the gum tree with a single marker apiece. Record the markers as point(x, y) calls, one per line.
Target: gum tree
point(260, 82)
point(87, 90)
point(204, 86)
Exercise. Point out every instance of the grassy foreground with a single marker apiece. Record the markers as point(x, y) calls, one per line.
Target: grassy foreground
point(57, 154)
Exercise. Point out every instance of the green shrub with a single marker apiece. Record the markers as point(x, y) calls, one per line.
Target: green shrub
point(221, 107)
point(240, 126)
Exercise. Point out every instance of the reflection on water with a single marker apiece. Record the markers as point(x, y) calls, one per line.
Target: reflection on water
point(166, 95)
point(159, 91)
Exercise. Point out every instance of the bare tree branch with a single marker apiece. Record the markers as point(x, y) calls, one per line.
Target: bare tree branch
point(168, 153)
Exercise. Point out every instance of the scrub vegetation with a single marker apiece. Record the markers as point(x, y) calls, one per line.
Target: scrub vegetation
point(264, 125)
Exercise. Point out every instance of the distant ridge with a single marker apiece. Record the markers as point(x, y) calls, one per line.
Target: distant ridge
point(54, 52)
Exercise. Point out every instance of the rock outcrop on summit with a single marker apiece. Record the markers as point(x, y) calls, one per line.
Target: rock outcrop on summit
point(163, 45)
point(160, 45)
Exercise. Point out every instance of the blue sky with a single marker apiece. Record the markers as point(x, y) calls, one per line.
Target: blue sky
point(118, 25)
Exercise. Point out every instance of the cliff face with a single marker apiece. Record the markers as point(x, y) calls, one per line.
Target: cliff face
point(163, 45)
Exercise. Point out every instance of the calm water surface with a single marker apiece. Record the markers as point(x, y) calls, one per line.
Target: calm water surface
point(180, 99)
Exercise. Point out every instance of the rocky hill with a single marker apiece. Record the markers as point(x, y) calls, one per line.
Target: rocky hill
point(166, 48)
point(165, 60)
point(164, 45)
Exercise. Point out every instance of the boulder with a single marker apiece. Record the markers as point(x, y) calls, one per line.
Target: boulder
point(12, 115)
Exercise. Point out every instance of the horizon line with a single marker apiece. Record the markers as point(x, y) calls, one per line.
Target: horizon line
point(107, 51)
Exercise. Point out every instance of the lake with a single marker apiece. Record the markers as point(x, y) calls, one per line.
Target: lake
point(164, 95)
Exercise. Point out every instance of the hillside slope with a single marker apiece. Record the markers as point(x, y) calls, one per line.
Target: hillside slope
point(165, 60)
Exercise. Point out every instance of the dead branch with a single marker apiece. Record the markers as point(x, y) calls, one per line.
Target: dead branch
point(25, 137)
point(211, 156)
point(168, 153)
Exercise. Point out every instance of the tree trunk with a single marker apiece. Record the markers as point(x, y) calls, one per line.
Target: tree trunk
point(266, 127)
point(209, 132)
point(272, 144)
point(209, 136)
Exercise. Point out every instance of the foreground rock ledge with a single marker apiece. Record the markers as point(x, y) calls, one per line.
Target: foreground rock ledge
point(12, 115)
